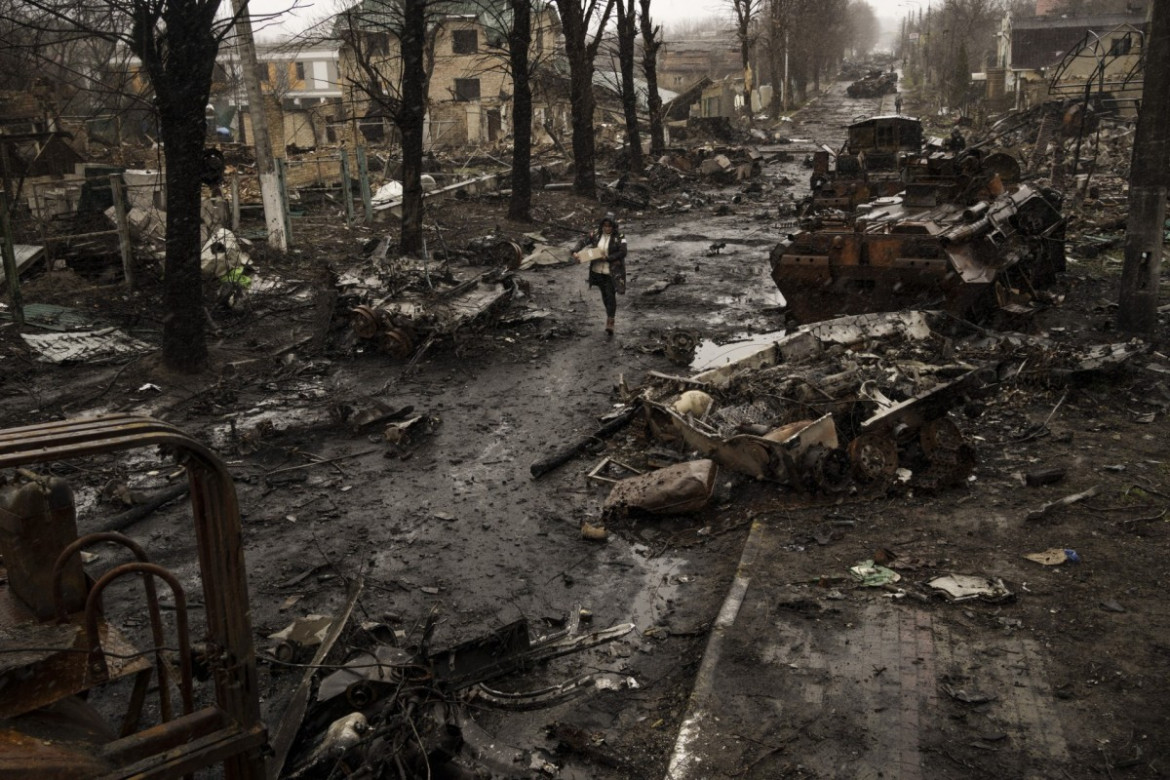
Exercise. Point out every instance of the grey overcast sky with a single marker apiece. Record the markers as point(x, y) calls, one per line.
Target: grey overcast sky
point(667, 11)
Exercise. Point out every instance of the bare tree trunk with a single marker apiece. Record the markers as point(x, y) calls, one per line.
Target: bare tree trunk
point(409, 119)
point(181, 75)
point(581, 98)
point(627, 30)
point(519, 41)
point(575, 21)
point(184, 346)
point(1137, 310)
point(745, 14)
point(651, 43)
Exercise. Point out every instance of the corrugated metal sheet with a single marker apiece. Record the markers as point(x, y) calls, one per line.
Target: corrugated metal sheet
point(95, 346)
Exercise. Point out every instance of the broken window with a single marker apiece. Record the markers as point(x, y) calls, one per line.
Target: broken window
point(465, 42)
point(467, 89)
point(1121, 46)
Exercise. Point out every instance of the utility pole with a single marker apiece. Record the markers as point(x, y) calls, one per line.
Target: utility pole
point(784, 85)
point(270, 192)
point(1137, 310)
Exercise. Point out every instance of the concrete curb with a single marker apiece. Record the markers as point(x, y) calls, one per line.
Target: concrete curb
point(684, 763)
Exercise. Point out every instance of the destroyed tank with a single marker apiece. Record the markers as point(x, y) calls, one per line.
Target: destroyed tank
point(915, 251)
point(869, 165)
point(875, 84)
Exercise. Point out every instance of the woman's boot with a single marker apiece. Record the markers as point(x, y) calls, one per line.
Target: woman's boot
point(609, 328)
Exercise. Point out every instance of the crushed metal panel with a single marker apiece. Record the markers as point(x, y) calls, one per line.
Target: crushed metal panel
point(850, 329)
point(745, 454)
point(481, 659)
point(90, 346)
point(51, 317)
point(755, 456)
point(929, 405)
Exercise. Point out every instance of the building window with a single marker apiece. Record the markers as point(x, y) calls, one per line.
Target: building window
point(467, 89)
point(300, 70)
point(1121, 46)
point(465, 41)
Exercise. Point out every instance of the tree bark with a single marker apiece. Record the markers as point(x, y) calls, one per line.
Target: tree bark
point(409, 118)
point(1137, 310)
point(651, 43)
point(575, 20)
point(519, 44)
point(180, 72)
point(627, 30)
point(745, 12)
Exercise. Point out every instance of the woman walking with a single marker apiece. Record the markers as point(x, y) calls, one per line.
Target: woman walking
point(606, 255)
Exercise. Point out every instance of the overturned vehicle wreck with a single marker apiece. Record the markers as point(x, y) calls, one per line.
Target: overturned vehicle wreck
point(1001, 251)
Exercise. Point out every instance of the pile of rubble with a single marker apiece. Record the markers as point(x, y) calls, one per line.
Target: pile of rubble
point(854, 405)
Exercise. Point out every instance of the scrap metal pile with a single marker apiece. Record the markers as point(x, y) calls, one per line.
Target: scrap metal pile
point(962, 234)
point(857, 404)
point(400, 307)
point(389, 710)
point(968, 259)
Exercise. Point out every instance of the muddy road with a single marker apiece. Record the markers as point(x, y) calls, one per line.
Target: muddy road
point(449, 521)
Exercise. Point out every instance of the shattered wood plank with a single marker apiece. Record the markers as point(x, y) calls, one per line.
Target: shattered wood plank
point(595, 474)
point(1037, 514)
point(128, 518)
point(674, 378)
point(291, 722)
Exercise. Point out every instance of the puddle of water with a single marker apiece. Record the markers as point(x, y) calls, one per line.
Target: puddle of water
point(710, 355)
point(772, 298)
point(663, 576)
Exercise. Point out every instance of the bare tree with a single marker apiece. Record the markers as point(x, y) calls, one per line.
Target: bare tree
point(627, 31)
point(864, 29)
point(951, 37)
point(651, 43)
point(519, 45)
point(391, 43)
point(806, 38)
point(694, 27)
point(176, 42)
point(577, 17)
point(746, 12)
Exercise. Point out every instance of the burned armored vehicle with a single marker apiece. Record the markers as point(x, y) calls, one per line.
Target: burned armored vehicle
point(869, 165)
point(900, 253)
point(875, 84)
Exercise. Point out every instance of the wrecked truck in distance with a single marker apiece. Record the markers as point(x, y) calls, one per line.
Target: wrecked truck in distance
point(970, 260)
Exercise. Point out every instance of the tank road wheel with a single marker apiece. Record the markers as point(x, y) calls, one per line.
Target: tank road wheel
point(364, 321)
point(874, 457)
point(398, 343)
point(939, 437)
point(951, 458)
